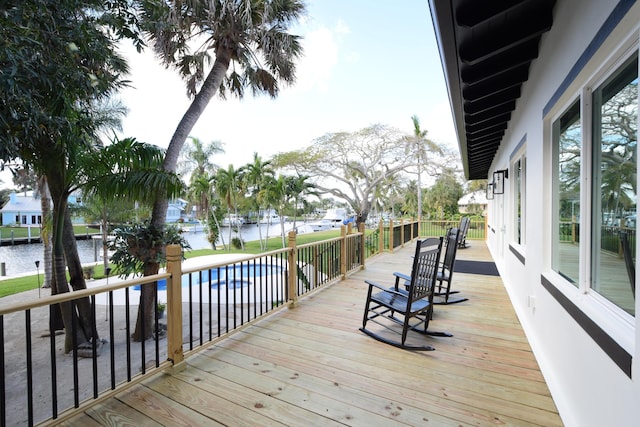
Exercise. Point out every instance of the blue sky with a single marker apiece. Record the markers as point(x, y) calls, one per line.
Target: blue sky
point(365, 62)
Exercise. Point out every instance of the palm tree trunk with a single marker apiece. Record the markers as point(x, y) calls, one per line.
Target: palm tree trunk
point(45, 231)
point(184, 128)
point(188, 121)
point(146, 310)
point(85, 316)
point(59, 284)
point(105, 236)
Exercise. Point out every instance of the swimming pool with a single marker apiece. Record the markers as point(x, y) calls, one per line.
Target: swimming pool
point(233, 276)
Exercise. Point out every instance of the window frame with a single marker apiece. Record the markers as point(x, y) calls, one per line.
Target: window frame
point(617, 323)
point(519, 155)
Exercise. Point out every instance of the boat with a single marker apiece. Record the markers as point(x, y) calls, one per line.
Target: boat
point(232, 220)
point(322, 225)
point(270, 217)
point(332, 219)
point(304, 229)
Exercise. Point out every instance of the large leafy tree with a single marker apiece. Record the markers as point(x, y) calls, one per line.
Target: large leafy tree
point(58, 58)
point(442, 198)
point(240, 44)
point(353, 167)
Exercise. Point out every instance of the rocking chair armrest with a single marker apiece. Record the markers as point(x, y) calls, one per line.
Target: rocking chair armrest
point(401, 276)
point(382, 288)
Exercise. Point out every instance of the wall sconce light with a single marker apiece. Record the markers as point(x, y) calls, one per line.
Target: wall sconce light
point(498, 180)
point(490, 191)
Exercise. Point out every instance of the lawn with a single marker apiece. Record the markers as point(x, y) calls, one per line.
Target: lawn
point(9, 232)
point(25, 283)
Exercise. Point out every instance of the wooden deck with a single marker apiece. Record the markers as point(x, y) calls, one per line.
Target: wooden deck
point(311, 366)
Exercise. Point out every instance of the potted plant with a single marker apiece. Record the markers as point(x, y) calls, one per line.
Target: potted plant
point(87, 272)
point(161, 308)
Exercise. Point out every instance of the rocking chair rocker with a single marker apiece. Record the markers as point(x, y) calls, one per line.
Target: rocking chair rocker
point(409, 308)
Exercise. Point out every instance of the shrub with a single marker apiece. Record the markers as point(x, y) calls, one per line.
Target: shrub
point(236, 242)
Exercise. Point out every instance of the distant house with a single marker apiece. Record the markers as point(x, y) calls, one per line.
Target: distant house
point(473, 203)
point(25, 209)
point(176, 210)
point(22, 209)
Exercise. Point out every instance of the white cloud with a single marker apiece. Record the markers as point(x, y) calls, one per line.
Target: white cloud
point(320, 58)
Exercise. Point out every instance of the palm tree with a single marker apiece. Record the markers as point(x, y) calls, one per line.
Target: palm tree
point(256, 175)
point(248, 37)
point(201, 189)
point(228, 186)
point(130, 170)
point(298, 186)
point(195, 158)
point(278, 196)
point(421, 146)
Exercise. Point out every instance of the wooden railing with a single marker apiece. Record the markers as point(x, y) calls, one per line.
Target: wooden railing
point(41, 384)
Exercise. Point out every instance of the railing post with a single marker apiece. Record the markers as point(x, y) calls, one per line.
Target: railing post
point(381, 243)
point(343, 252)
point(293, 271)
point(391, 233)
point(174, 307)
point(402, 232)
point(363, 254)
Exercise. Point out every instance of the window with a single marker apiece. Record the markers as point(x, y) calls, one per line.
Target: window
point(615, 126)
point(518, 171)
point(595, 162)
point(567, 158)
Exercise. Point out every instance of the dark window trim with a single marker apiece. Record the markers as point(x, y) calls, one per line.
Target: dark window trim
point(617, 354)
point(517, 254)
point(608, 26)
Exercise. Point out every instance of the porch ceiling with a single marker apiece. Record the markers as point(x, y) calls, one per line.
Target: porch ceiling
point(486, 48)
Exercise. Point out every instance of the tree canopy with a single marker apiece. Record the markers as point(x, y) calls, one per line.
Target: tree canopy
point(355, 167)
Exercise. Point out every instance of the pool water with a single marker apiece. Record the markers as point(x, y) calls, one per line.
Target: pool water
point(234, 276)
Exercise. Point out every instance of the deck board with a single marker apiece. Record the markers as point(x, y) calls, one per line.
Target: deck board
point(310, 365)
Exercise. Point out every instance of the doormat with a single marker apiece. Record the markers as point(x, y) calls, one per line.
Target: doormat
point(476, 267)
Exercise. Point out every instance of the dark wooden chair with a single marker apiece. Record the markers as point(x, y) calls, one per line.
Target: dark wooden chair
point(628, 261)
point(443, 293)
point(411, 308)
point(464, 228)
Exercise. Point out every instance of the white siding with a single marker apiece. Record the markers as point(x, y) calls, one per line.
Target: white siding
point(588, 387)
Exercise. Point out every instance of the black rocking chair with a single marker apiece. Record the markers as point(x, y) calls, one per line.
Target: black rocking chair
point(409, 308)
point(464, 228)
point(443, 292)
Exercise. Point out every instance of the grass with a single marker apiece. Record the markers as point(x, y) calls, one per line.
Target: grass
point(8, 232)
point(26, 283)
point(21, 284)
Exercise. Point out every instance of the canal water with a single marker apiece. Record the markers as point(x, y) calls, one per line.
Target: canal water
point(20, 259)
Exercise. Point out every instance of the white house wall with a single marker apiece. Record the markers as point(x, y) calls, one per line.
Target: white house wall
point(589, 388)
